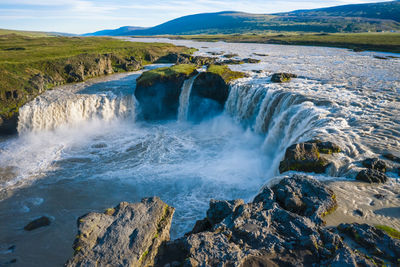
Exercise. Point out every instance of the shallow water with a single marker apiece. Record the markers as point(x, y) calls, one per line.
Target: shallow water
point(81, 147)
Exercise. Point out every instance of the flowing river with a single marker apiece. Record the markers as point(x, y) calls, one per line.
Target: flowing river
point(81, 147)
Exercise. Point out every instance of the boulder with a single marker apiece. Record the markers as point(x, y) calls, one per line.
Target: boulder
point(392, 157)
point(375, 164)
point(371, 176)
point(40, 222)
point(305, 197)
point(264, 233)
point(158, 91)
point(210, 91)
point(127, 235)
point(307, 157)
point(282, 77)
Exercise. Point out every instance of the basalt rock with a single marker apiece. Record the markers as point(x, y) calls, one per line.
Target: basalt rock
point(371, 176)
point(265, 233)
point(305, 197)
point(282, 77)
point(210, 91)
point(375, 164)
point(127, 235)
point(158, 91)
point(307, 157)
point(40, 222)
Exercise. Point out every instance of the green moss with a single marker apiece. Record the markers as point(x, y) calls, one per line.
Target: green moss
point(109, 211)
point(226, 73)
point(148, 78)
point(389, 230)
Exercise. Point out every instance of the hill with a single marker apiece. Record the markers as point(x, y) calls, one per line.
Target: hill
point(375, 17)
point(117, 32)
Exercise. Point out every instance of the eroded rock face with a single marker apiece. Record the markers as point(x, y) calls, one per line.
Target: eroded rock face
point(282, 77)
point(307, 157)
point(128, 235)
point(371, 176)
point(208, 96)
point(265, 233)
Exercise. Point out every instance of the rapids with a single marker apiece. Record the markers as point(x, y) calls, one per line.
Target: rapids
point(80, 147)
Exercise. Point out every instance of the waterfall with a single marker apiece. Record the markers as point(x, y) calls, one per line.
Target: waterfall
point(184, 98)
point(50, 111)
point(282, 116)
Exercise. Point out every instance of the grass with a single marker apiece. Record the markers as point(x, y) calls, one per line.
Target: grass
point(389, 230)
point(25, 33)
point(386, 42)
point(226, 73)
point(23, 57)
point(149, 77)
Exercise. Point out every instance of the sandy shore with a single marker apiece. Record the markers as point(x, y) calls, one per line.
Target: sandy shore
point(366, 203)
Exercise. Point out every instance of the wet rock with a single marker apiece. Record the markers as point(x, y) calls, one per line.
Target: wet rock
point(392, 157)
point(210, 91)
point(306, 157)
point(251, 60)
point(379, 196)
point(306, 197)
point(8, 125)
point(230, 55)
point(158, 91)
point(282, 77)
point(40, 222)
point(358, 212)
point(260, 55)
point(375, 163)
point(128, 236)
point(371, 176)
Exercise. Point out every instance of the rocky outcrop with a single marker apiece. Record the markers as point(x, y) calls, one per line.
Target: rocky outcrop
point(158, 91)
point(269, 231)
point(127, 235)
point(371, 176)
point(305, 197)
point(307, 156)
point(265, 233)
point(282, 77)
point(210, 91)
point(375, 164)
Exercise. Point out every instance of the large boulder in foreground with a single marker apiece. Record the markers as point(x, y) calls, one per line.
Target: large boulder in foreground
point(266, 233)
point(307, 157)
point(158, 91)
point(127, 235)
point(210, 91)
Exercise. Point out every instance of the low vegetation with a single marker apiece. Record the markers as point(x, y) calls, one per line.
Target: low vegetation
point(386, 42)
point(31, 65)
point(226, 73)
point(167, 73)
point(389, 230)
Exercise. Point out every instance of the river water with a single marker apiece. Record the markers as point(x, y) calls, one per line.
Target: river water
point(81, 148)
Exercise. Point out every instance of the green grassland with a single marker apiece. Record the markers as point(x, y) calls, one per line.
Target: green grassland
point(386, 42)
point(148, 78)
point(23, 57)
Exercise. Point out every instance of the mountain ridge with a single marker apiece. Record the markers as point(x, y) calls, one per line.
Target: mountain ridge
point(375, 17)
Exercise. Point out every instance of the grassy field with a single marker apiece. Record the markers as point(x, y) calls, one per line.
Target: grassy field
point(22, 58)
point(385, 42)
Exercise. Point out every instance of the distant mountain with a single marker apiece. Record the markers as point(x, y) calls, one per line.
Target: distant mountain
point(375, 17)
point(117, 32)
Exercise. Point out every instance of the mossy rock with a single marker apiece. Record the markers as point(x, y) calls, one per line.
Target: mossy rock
point(158, 91)
point(225, 72)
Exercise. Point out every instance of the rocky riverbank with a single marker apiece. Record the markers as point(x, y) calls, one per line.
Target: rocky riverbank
point(283, 225)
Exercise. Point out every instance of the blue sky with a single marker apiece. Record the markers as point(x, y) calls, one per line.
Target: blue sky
point(82, 16)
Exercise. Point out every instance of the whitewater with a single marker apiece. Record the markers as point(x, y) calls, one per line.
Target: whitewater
point(82, 147)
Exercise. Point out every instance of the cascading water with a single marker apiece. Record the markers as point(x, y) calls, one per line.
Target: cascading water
point(80, 151)
point(46, 113)
point(184, 98)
